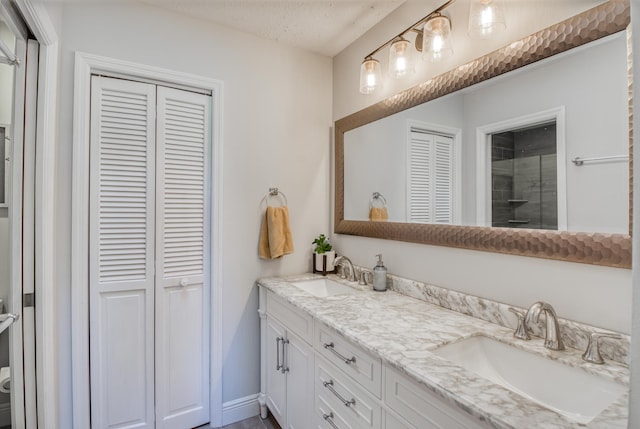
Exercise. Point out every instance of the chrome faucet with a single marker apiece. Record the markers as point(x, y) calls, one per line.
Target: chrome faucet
point(552, 338)
point(341, 261)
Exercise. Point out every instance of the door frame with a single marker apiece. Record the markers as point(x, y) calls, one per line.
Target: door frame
point(39, 23)
point(86, 65)
point(444, 130)
point(483, 160)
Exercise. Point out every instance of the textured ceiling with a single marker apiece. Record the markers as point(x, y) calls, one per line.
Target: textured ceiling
point(321, 26)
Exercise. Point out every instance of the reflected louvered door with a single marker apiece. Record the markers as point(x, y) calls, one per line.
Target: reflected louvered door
point(121, 255)
point(430, 178)
point(182, 292)
point(443, 183)
point(420, 178)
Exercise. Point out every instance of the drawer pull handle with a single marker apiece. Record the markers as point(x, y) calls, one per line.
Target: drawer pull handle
point(329, 385)
point(329, 419)
point(330, 347)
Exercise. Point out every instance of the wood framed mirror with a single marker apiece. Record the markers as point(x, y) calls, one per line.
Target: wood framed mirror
point(599, 248)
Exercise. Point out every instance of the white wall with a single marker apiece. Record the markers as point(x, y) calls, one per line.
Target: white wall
point(599, 296)
point(277, 118)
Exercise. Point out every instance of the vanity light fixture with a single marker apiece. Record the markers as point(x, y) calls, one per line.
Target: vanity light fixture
point(370, 75)
point(436, 38)
point(400, 61)
point(433, 39)
point(486, 17)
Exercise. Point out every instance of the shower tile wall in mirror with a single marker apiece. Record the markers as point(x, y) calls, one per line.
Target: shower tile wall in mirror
point(500, 153)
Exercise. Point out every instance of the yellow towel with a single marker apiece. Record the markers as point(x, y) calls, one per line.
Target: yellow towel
point(378, 214)
point(275, 234)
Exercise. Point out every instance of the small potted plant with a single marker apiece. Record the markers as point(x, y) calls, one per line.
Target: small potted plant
point(323, 255)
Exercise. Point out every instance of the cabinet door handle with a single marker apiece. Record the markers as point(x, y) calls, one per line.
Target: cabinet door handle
point(329, 385)
point(278, 365)
point(284, 368)
point(348, 361)
point(329, 418)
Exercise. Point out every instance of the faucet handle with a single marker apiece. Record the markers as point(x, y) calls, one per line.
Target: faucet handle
point(343, 274)
point(592, 354)
point(363, 277)
point(522, 330)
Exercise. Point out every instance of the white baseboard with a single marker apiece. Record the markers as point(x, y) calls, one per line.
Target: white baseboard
point(240, 409)
point(5, 414)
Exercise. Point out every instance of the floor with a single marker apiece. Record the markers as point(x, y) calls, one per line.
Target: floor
point(252, 423)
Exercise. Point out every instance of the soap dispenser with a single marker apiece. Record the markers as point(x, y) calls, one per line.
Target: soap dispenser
point(380, 276)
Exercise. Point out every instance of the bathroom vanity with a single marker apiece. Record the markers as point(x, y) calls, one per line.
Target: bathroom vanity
point(339, 355)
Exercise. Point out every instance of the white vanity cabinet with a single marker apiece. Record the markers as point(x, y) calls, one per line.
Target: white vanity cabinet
point(287, 362)
point(312, 376)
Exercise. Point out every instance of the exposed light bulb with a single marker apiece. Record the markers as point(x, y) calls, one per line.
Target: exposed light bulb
point(437, 44)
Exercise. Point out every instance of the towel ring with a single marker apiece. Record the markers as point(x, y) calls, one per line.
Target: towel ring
point(274, 192)
point(377, 196)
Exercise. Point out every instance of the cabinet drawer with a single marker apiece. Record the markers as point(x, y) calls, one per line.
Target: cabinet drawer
point(331, 417)
point(335, 388)
point(421, 407)
point(358, 364)
point(294, 319)
point(391, 421)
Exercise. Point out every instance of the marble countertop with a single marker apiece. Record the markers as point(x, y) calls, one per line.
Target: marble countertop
point(402, 331)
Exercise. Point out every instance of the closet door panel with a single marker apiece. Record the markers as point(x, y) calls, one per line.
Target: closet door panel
point(122, 322)
point(121, 260)
point(182, 285)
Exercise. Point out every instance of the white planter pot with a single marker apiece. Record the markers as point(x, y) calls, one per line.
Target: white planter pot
point(331, 255)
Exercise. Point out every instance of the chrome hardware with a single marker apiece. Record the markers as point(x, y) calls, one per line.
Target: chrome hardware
point(274, 192)
point(29, 300)
point(329, 419)
point(278, 366)
point(7, 320)
point(552, 339)
point(580, 161)
point(284, 369)
point(341, 260)
point(522, 331)
point(329, 385)
point(363, 277)
point(348, 361)
point(592, 354)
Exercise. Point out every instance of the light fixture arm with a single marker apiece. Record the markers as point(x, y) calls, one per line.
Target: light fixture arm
point(410, 28)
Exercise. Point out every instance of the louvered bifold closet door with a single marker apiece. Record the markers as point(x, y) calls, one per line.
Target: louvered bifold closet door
point(182, 284)
point(121, 260)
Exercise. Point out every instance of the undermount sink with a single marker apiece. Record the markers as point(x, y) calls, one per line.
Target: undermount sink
point(569, 391)
point(324, 287)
